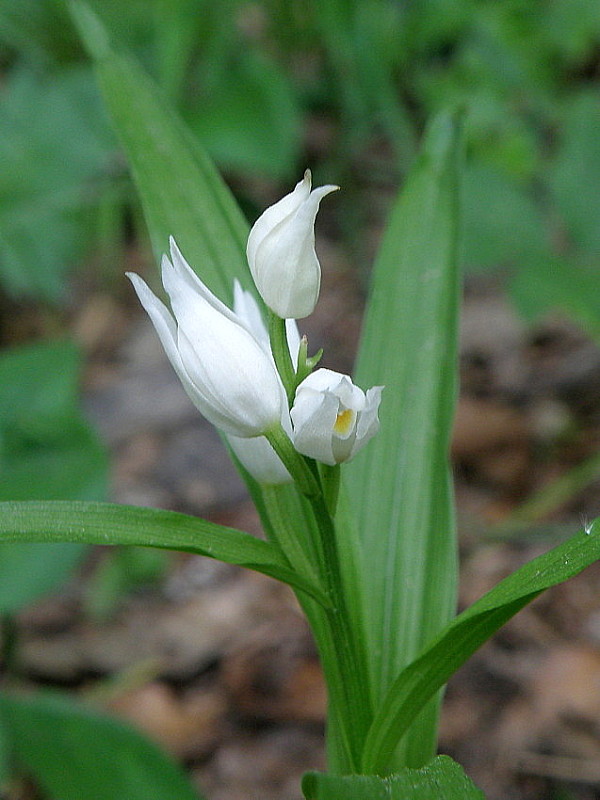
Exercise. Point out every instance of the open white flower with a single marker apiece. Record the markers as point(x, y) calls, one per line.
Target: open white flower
point(332, 417)
point(225, 371)
point(281, 252)
point(256, 454)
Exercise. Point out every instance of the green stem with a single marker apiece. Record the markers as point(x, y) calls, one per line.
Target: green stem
point(356, 713)
point(330, 481)
point(296, 465)
point(290, 516)
point(281, 354)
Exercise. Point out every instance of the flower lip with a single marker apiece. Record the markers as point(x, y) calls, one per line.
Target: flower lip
point(344, 422)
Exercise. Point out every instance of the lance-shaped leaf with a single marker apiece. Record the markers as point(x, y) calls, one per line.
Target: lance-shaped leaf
point(110, 524)
point(459, 640)
point(182, 194)
point(400, 484)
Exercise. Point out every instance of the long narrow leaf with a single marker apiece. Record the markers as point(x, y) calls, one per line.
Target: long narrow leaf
point(110, 524)
point(181, 192)
point(421, 679)
point(400, 483)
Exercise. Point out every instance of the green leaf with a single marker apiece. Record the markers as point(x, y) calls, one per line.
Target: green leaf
point(73, 752)
point(575, 171)
point(39, 31)
point(400, 485)
point(181, 192)
point(557, 283)
point(440, 659)
point(443, 779)
point(5, 767)
point(251, 121)
point(109, 524)
point(501, 222)
point(55, 148)
point(29, 571)
point(47, 450)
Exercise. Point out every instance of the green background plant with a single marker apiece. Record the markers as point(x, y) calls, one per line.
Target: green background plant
point(247, 78)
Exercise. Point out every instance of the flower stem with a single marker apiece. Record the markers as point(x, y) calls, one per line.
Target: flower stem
point(330, 481)
point(356, 714)
point(306, 480)
point(281, 354)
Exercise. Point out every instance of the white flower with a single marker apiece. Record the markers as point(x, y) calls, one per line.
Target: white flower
point(256, 455)
point(332, 417)
point(281, 252)
point(224, 370)
point(248, 312)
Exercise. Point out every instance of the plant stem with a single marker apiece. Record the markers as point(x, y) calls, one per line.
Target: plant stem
point(330, 481)
point(356, 714)
point(297, 465)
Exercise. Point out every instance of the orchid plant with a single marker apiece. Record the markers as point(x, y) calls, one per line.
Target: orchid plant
point(352, 487)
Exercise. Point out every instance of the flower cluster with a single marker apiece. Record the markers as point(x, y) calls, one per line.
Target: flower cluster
point(224, 358)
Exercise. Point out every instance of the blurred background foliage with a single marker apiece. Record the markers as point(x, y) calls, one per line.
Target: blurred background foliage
point(344, 86)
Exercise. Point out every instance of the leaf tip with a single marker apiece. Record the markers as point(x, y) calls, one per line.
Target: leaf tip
point(91, 30)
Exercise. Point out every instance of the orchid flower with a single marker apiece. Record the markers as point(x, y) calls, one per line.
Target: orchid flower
point(332, 417)
point(225, 371)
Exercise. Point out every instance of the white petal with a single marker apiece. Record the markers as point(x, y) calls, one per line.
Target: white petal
point(293, 340)
point(286, 270)
point(275, 214)
point(313, 415)
point(259, 458)
point(218, 352)
point(166, 329)
point(226, 372)
point(325, 399)
point(368, 422)
point(233, 370)
point(247, 310)
point(326, 380)
point(181, 282)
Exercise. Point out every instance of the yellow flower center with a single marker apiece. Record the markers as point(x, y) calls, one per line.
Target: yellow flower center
point(344, 422)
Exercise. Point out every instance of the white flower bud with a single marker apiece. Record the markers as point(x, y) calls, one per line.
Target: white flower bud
point(332, 417)
point(226, 373)
point(281, 252)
